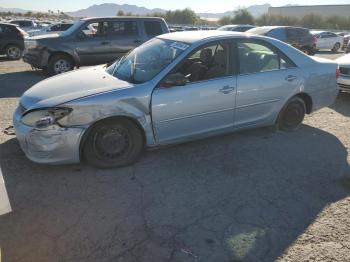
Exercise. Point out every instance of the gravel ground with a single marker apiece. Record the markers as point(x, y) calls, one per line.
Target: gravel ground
point(257, 195)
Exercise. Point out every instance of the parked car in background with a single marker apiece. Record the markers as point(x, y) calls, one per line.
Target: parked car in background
point(236, 28)
point(174, 88)
point(346, 43)
point(297, 37)
point(26, 25)
point(327, 41)
point(11, 40)
point(91, 41)
point(342, 33)
point(51, 29)
point(344, 70)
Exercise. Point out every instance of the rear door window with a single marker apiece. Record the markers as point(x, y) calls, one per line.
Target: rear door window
point(123, 28)
point(256, 57)
point(153, 28)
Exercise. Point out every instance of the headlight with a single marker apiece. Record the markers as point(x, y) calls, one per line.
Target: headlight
point(46, 117)
point(30, 43)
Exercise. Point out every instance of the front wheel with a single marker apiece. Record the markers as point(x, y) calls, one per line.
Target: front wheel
point(113, 143)
point(59, 64)
point(292, 115)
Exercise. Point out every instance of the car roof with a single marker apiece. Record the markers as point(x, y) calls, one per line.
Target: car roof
point(121, 18)
point(191, 37)
point(8, 24)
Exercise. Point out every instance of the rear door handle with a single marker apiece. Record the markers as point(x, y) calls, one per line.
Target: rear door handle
point(227, 89)
point(290, 78)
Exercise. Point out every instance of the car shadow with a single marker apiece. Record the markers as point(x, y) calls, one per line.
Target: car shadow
point(15, 84)
point(240, 197)
point(342, 104)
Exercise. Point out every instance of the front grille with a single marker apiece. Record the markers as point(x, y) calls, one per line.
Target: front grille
point(344, 87)
point(344, 70)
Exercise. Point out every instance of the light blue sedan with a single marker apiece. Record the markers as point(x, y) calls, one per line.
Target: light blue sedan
point(174, 88)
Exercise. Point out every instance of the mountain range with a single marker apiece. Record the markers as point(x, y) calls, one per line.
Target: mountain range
point(111, 9)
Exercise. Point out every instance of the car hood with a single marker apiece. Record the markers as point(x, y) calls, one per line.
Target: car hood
point(70, 86)
point(344, 60)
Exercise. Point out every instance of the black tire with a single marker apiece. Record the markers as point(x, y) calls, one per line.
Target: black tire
point(113, 143)
point(292, 115)
point(13, 52)
point(59, 64)
point(336, 48)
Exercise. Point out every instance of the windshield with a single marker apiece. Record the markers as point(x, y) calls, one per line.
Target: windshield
point(146, 61)
point(74, 27)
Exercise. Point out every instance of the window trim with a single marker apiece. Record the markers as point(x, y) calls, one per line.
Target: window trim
point(280, 54)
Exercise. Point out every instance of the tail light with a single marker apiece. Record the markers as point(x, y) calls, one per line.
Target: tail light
point(337, 73)
point(314, 39)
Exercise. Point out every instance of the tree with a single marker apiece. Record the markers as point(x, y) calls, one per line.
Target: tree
point(225, 20)
point(242, 16)
point(120, 13)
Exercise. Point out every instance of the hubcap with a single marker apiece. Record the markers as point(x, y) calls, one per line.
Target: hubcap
point(112, 142)
point(14, 52)
point(62, 66)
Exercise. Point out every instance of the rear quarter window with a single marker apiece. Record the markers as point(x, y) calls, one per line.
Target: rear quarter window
point(153, 28)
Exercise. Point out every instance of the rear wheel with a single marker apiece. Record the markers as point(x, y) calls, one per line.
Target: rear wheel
point(113, 143)
point(307, 50)
point(59, 64)
point(13, 52)
point(292, 115)
point(336, 48)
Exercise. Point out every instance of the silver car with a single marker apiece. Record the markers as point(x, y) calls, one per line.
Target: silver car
point(174, 88)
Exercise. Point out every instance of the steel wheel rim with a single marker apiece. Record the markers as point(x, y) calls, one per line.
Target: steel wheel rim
point(112, 143)
point(293, 116)
point(14, 52)
point(62, 66)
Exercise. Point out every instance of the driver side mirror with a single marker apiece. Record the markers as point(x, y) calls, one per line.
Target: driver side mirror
point(177, 79)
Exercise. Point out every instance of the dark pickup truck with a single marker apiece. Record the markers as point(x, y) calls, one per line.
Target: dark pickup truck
point(91, 41)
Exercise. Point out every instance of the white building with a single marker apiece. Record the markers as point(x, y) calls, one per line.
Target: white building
point(301, 11)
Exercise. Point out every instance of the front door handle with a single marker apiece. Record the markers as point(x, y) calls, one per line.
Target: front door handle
point(226, 89)
point(104, 43)
point(137, 41)
point(290, 78)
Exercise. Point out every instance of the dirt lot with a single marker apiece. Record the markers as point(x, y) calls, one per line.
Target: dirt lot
point(257, 195)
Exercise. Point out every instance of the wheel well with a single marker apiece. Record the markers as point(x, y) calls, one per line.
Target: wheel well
point(62, 53)
point(116, 118)
point(307, 100)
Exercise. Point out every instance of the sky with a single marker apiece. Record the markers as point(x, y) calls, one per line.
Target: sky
point(196, 5)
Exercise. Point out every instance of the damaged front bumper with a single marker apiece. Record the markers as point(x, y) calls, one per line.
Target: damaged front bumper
point(55, 144)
